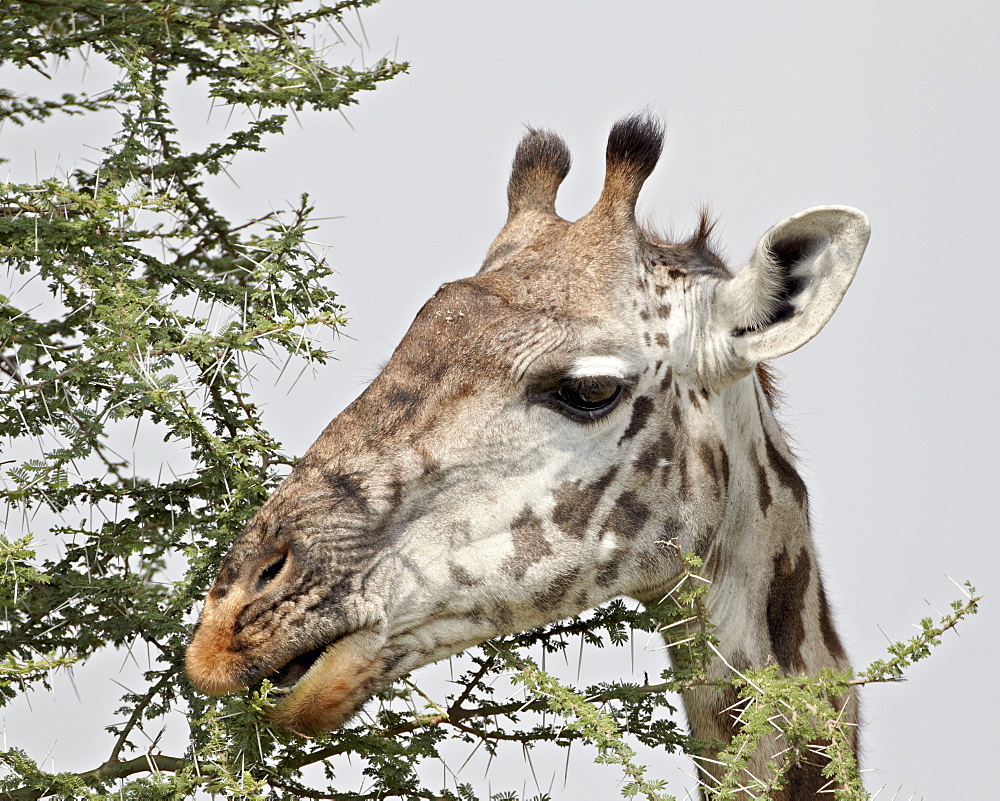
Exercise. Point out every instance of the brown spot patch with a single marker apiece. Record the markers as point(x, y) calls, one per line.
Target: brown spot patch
point(404, 401)
point(764, 498)
point(682, 468)
point(461, 576)
point(530, 545)
point(628, 515)
point(707, 456)
point(577, 501)
point(501, 614)
point(642, 407)
point(786, 600)
point(395, 492)
point(610, 569)
point(557, 589)
point(787, 474)
point(667, 380)
point(830, 637)
point(727, 708)
point(804, 780)
point(660, 449)
point(672, 529)
point(724, 465)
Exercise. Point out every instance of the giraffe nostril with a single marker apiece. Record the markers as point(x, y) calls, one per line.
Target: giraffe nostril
point(268, 574)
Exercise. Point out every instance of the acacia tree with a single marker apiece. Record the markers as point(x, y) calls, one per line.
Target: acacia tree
point(159, 306)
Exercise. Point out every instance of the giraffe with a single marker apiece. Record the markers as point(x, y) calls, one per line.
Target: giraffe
point(553, 432)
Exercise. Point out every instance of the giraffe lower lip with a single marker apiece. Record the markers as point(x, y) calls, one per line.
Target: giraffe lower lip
point(332, 683)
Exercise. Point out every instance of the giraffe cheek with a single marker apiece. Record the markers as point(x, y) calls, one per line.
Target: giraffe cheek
point(342, 679)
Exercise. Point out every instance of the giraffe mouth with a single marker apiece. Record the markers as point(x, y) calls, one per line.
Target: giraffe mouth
point(288, 675)
point(323, 688)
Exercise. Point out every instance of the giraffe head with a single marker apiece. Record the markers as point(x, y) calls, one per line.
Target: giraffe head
point(550, 433)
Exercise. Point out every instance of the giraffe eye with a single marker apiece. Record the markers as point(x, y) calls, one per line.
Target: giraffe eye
point(588, 398)
point(269, 573)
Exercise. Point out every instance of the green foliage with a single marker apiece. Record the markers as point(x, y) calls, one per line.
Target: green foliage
point(904, 654)
point(158, 308)
point(800, 707)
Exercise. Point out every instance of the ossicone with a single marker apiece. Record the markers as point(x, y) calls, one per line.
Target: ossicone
point(541, 162)
point(634, 147)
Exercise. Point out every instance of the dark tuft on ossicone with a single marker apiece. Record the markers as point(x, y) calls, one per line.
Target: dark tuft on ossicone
point(541, 162)
point(635, 143)
point(543, 151)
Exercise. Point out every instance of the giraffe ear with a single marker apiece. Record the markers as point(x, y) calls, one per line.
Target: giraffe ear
point(793, 283)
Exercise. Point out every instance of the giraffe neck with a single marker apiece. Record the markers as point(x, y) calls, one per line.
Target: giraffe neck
point(766, 536)
point(766, 599)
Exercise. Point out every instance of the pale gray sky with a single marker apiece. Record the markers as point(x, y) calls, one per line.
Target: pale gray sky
point(771, 107)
